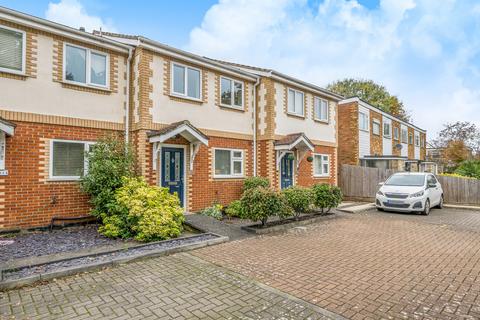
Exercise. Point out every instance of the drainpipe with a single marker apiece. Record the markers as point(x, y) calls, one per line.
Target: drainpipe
point(127, 105)
point(255, 126)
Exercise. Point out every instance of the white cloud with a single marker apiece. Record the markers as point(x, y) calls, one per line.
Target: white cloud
point(422, 51)
point(73, 14)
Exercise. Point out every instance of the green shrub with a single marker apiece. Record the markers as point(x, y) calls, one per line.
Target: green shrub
point(298, 198)
point(145, 212)
point(108, 162)
point(326, 196)
point(258, 204)
point(469, 168)
point(214, 211)
point(234, 209)
point(253, 182)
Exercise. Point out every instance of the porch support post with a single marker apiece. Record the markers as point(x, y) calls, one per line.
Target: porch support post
point(194, 148)
point(280, 155)
point(156, 150)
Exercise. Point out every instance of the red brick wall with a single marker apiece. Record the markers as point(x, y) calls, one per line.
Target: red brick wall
point(305, 171)
point(27, 193)
point(348, 134)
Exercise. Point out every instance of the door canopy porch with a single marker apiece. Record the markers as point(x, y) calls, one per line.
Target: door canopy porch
point(7, 127)
point(298, 143)
point(183, 128)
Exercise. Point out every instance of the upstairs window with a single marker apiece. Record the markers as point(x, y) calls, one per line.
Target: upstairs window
point(12, 50)
point(417, 140)
point(68, 159)
point(363, 121)
point(404, 135)
point(410, 138)
point(186, 81)
point(295, 102)
point(376, 127)
point(86, 66)
point(396, 133)
point(231, 93)
point(321, 109)
point(387, 130)
point(321, 164)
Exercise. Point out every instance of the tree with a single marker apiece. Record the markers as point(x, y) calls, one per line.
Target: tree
point(456, 152)
point(464, 131)
point(372, 93)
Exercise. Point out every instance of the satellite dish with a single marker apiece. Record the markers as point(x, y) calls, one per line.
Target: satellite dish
point(399, 146)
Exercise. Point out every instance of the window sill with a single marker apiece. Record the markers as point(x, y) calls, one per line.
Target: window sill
point(228, 177)
point(13, 72)
point(321, 121)
point(231, 108)
point(321, 176)
point(86, 86)
point(364, 130)
point(178, 96)
point(294, 115)
point(63, 179)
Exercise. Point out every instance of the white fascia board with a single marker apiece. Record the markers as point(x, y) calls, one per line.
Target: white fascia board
point(9, 130)
point(370, 107)
point(304, 85)
point(302, 139)
point(185, 56)
point(59, 29)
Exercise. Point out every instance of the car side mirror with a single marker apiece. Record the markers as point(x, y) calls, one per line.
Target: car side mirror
point(431, 185)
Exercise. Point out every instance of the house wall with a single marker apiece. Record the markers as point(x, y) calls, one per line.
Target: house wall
point(348, 141)
point(304, 173)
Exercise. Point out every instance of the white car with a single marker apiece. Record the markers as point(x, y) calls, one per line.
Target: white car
point(410, 192)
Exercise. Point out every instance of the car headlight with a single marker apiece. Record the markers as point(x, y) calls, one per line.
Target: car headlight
point(380, 193)
point(418, 194)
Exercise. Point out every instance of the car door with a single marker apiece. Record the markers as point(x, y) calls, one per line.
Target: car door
point(435, 192)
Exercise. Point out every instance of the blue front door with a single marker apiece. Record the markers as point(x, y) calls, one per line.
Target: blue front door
point(172, 171)
point(286, 171)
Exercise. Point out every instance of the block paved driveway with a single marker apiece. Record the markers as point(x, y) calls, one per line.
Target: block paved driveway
point(371, 265)
point(175, 287)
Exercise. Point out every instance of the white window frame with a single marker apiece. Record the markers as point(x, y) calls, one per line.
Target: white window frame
point(389, 125)
point(323, 174)
point(396, 133)
point(376, 122)
point(3, 149)
point(367, 121)
point(288, 102)
point(24, 52)
point(232, 87)
point(315, 115)
point(86, 144)
point(232, 160)
point(404, 136)
point(417, 140)
point(88, 79)
point(412, 140)
point(184, 95)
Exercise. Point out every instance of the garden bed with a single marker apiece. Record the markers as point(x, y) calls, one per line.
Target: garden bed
point(27, 274)
point(285, 224)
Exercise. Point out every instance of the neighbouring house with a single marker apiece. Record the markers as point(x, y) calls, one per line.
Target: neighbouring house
point(436, 156)
point(370, 137)
point(60, 90)
point(197, 126)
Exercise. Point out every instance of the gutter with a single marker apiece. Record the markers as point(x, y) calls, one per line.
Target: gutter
point(255, 126)
point(304, 85)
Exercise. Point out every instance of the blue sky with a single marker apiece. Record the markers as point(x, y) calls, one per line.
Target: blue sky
point(425, 51)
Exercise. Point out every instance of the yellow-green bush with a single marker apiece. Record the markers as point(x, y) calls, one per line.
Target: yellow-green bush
point(145, 212)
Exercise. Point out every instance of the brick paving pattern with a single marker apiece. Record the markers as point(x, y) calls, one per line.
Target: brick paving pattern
point(175, 287)
point(372, 265)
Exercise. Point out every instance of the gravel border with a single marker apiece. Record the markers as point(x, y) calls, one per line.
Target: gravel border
point(278, 226)
point(25, 275)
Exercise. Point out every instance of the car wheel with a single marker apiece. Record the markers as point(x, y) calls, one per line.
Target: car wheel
point(426, 211)
point(440, 204)
point(380, 209)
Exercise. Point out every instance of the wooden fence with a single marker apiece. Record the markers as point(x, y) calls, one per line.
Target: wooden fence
point(361, 183)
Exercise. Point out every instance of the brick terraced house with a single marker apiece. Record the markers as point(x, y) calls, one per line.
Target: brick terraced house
point(371, 137)
point(197, 126)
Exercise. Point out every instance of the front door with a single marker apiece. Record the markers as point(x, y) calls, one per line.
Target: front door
point(286, 171)
point(172, 171)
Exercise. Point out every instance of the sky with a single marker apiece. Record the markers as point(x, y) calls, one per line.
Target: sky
point(427, 52)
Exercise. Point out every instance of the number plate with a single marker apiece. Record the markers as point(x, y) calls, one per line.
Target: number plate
point(395, 201)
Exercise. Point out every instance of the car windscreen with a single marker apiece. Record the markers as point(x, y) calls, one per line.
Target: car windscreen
point(406, 180)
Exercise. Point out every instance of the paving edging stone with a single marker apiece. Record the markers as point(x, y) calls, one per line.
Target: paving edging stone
point(62, 272)
point(283, 227)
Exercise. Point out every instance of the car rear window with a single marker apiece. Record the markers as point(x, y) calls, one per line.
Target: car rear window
point(406, 180)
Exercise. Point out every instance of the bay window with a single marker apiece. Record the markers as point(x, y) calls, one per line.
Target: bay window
point(228, 163)
point(85, 66)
